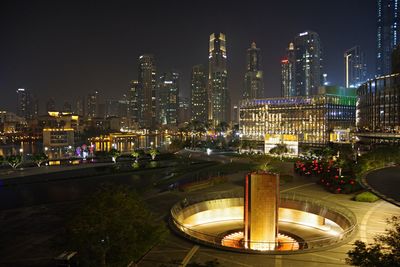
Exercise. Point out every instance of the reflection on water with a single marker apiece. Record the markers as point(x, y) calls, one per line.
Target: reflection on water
point(23, 195)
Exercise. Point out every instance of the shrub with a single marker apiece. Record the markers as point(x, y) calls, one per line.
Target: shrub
point(366, 197)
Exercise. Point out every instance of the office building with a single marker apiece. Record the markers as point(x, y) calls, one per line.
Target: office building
point(253, 80)
point(355, 68)
point(92, 105)
point(302, 68)
point(199, 101)
point(168, 101)
point(51, 105)
point(147, 91)
point(133, 101)
point(288, 84)
point(218, 97)
point(27, 104)
point(387, 37)
point(378, 107)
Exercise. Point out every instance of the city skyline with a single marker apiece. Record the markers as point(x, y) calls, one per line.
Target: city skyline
point(71, 58)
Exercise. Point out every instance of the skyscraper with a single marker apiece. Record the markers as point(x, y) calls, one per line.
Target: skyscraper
point(133, 101)
point(147, 91)
point(288, 83)
point(355, 68)
point(51, 105)
point(253, 80)
point(387, 38)
point(92, 105)
point(199, 94)
point(219, 108)
point(168, 102)
point(27, 106)
point(308, 63)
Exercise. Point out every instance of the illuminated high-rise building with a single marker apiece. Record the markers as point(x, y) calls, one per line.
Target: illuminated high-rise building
point(133, 101)
point(308, 63)
point(92, 104)
point(387, 38)
point(27, 105)
point(218, 97)
point(199, 94)
point(147, 91)
point(253, 80)
point(355, 68)
point(168, 102)
point(288, 87)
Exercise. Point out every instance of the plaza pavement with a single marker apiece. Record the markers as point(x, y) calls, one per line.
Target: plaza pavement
point(177, 251)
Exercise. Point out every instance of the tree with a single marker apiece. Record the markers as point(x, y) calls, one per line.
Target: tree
point(279, 149)
point(153, 153)
point(114, 154)
point(135, 154)
point(14, 161)
point(40, 158)
point(385, 251)
point(113, 228)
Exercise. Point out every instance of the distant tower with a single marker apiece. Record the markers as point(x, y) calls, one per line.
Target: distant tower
point(168, 102)
point(355, 68)
point(26, 104)
point(288, 83)
point(308, 63)
point(133, 101)
point(253, 80)
point(92, 105)
point(219, 104)
point(147, 91)
point(67, 107)
point(51, 105)
point(261, 208)
point(199, 101)
point(388, 34)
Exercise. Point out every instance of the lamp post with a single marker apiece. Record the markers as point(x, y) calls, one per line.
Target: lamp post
point(21, 152)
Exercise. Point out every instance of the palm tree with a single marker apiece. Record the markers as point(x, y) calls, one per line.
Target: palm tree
point(153, 153)
point(135, 154)
point(40, 158)
point(14, 161)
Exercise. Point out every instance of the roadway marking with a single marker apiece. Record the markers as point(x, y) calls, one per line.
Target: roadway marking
point(300, 186)
point(189, 255)
point(363, 225)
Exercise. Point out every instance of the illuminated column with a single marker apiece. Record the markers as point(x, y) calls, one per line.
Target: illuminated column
point(261, 210)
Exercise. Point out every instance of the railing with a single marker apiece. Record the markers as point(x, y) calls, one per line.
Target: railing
point(215, 240)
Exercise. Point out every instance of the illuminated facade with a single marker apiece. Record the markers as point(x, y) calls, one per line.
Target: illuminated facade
point(311, 118)
point(388, 34)
point(168, 99)
point(218, 97)
point(261, 207)
point(288, 87)
point(147, 91)
point(378, 107)
point(199, 111)
point(355, 68)
point(253, 80)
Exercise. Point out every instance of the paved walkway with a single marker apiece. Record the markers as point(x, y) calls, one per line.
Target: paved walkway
point(370, 216)
point(22, 172)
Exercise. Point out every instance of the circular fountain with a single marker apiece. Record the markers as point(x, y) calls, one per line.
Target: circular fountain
point(260, 220)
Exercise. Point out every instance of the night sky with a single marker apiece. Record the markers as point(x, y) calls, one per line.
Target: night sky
point(66, 49)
